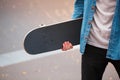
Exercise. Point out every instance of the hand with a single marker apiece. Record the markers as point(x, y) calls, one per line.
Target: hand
point(67, 45)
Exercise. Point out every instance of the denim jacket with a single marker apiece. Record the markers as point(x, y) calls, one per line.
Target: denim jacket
point(86, 9)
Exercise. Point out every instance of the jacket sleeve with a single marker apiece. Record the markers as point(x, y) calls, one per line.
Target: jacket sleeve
point(78, 9)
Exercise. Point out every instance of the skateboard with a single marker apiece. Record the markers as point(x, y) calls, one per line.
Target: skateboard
point(49, 38)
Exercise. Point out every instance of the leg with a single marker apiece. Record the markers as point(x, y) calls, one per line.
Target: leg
point(116, 64)
point(93, 63)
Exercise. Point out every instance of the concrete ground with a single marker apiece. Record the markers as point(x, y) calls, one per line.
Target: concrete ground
point(53, 65)
point(17, 18)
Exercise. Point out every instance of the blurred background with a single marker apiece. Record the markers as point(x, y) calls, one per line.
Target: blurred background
point(17, 18)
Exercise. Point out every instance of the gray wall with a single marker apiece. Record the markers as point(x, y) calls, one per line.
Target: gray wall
point(17, 17)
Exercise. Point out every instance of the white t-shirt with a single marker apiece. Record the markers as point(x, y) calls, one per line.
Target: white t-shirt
point(102, 23)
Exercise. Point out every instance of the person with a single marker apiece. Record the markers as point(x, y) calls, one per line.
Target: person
point(100, 36)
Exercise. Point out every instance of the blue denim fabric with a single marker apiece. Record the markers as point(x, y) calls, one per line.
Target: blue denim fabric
point(86, 9)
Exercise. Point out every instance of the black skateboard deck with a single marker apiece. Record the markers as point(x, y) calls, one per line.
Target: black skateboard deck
point(51, 37)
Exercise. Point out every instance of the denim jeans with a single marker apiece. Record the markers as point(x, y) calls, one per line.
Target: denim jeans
point(94, 62)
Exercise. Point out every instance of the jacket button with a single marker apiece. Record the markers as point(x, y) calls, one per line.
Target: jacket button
point(93, 7)
point(90, 22)
point(86, 37)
